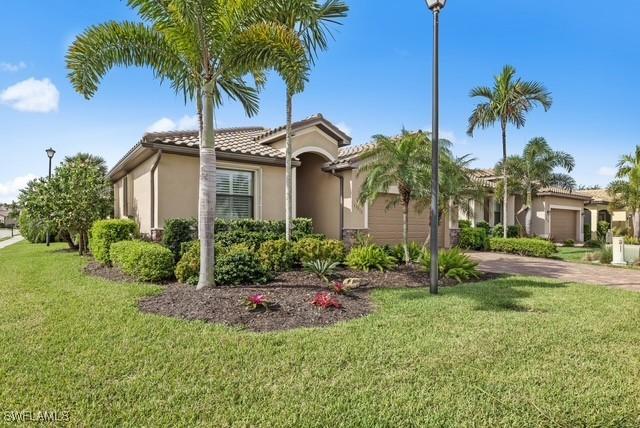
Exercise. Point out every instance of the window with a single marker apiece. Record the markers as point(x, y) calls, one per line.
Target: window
point(234, 194)
point(497, 219)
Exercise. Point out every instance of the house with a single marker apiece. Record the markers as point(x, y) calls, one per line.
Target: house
point(5, 218)
point(599, 209)
point(557, 213)
point(158, 180)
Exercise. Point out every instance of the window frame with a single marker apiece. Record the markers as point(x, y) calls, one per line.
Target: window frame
point(252, 191)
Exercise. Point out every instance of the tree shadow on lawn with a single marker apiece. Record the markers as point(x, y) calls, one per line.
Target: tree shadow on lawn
point(499, 295)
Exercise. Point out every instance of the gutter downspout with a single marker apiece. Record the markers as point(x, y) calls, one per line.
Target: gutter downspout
point(341, 178)
point(153, 189)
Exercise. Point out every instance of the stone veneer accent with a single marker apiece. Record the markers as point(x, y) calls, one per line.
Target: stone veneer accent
point(156, 235)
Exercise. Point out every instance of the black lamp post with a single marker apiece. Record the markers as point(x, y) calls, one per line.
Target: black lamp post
point(436, 6)
point(50, 154)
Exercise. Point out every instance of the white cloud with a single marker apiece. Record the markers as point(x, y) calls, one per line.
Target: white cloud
point(32, 95)
point(8, 66)
point(9, 190)
point(607, 171)
point(186, 123)
point(344, 128)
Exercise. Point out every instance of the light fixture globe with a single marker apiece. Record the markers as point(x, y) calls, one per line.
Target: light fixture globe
point(435, 5)
point(50, 152)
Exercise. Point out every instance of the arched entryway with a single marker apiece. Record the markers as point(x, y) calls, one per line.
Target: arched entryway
point(318, 193)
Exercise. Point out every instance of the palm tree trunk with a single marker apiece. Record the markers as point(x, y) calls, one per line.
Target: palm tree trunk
point(207, 191)
point(505, 198)
point(529, 216)
point(405, 230)
point(288, 172)
point(636, 223)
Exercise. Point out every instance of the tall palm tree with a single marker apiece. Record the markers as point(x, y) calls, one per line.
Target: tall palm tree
point(506, 103)
point(536, 169)
point(395, 162)
point(204, 48)
point(626, 189)
point(310, 21)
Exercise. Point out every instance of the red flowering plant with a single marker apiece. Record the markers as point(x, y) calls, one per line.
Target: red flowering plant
point(258, 301)
point(338, 288)
point(325, 301)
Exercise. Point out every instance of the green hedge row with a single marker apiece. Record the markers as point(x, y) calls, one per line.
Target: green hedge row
point(473, 238)
point(523, 246)
point(144, 261)
point(104, 233)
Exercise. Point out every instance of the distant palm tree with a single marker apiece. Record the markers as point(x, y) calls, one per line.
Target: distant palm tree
point(310, 22)
point(506, 103)
point(535, 169)
point(89, 159)
point(395, 162)
point(626, 189)
point(204, 48)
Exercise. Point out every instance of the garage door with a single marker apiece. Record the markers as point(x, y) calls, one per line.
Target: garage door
point(563, 225)
point(385, 225)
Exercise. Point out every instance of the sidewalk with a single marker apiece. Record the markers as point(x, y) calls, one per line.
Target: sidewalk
point(11, 241)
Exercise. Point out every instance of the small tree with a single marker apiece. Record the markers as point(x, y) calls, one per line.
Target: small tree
point(626, 189)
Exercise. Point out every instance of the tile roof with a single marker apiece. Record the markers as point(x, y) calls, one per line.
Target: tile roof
point(599, 195)
point(231, 140)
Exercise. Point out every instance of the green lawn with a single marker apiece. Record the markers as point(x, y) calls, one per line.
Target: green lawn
point(573, 254)
point(510, 352)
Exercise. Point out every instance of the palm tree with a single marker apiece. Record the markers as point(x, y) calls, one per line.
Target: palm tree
point(88, 158)
point(534, 170)
point(310, 22)
point(626, 189)
point(507, 103)
point(395, 162)
point(204, 48)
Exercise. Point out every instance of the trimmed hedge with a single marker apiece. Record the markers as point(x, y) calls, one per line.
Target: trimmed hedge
point(178, 231)
point(464, 224)
point(239, 265)
point(277, 256)
point(512, 231)
point(144, 261)
point(523, 247)
point(188, 268)
point(104, 233)
point(310, 249)
point(473, 238)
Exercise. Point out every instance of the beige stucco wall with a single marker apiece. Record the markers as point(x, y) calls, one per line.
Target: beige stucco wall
point(311, 139)
point(540, 223)
point(318, 195)
point(118, 198)
point(354, 214)
point(177, 188)
point(139, 194)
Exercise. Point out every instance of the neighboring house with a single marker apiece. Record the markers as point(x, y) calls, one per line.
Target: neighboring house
point(5, 218)
point(599, 209)
point(158, 179)
point(557, 213)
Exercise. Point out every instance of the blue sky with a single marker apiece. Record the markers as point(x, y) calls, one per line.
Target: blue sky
point(374, 79)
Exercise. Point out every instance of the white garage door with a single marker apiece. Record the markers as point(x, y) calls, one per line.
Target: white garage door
point(564, 225)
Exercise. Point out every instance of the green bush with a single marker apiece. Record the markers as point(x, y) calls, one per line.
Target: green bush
point(464, 224)
point(277, 256)
point(301, 227)
point(512, 231)
point(188, 268)
point(104, 233)
point(593, 243)
point(473, 238)
point(144, 261)
point(523, 246)
point(397, 252)
point(452, 264)
point(587, 232)
point(251, 239)
point(569, 243)
point(606, 256)
point(239, 265)
point(603, 228)
point(631, 240)
point(484, 225)
point(370, 257)
point(309, 249)
point(33, 231)
point(322, 268)
point(178, 231)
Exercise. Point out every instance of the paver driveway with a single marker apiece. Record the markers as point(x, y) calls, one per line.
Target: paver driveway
point(574, 272)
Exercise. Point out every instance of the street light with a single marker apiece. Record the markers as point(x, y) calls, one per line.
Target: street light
point(436, 6)
point(50, 154)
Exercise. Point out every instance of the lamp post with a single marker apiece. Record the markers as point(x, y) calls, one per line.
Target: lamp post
point(436, 6)
point(50, 154)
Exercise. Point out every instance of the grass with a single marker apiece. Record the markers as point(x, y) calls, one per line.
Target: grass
point(573, 254)
point(509, 352)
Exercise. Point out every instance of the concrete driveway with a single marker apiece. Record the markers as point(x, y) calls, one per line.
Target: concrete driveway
point(626, 279)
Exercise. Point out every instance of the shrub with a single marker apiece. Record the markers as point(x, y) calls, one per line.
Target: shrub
point(104, 233)
point(144, 261)
point(512, 231)
point(523, 246)
point(603, 228)
point(569, 243)
point(178, 231)
point(631, 240)
point(362, 239)
point(370, 257)
point(397, 252)
point(322, 268)
point(484, 225)
point(464, 224)
point(591, 257)
point(593, 243)
point(277, 256)
point(606, 256)
point(239, 265)
point(452, 264)
point(251, 239)
point(587, 232)
point(188, 268)
point(473, 238)
point(32, 230)
point(325, 301)
point(309, 249)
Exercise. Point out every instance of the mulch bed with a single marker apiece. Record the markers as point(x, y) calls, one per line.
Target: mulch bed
point(292, 292)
